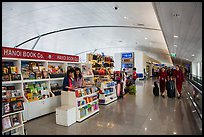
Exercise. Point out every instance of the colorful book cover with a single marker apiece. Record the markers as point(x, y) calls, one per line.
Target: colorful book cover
point(15, 119)
point(6, 123)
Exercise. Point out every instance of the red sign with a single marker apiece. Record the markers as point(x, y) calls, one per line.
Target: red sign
point(62, 57)
point(31, 54)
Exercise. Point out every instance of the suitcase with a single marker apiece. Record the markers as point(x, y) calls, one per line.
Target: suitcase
point(156, 89)
point(171, 90)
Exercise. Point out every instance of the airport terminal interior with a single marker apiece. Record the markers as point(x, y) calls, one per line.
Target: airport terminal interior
point(101, 68)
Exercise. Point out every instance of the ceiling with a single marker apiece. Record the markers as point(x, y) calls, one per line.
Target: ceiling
point(183, 19)
point(93, 25)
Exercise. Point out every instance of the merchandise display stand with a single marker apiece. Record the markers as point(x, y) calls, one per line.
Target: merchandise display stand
point(84, 99)
point(107, 92)
point(39, 77)
point(65, 115)
point(12, 109)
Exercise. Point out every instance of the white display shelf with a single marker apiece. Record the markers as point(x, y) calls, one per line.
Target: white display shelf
point(88, 103)
point(87, 76)
point(109, 101)
point(12, 113)
point(102, 96)
point(89, 95)
point(12, 82)
point(90, 114)
point(18, 126)
point(35, 80)
point(52, 79)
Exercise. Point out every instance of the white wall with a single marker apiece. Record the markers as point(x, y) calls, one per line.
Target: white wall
point(139, 62)
point(197, 68)
point(117, 61)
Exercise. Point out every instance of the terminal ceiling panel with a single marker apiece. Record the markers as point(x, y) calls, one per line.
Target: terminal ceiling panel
point(133, 25)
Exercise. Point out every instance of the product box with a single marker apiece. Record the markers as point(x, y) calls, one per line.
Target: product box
point(15, 76)
point(38, 75)
point(5, 77)
point(6, 123)
point(25, 74)
point(15, 120)
point(17, 105)
point(45, 74)
point(7, 108)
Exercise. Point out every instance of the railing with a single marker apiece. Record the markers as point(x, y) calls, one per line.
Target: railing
point(195, 79)
point(194, 98)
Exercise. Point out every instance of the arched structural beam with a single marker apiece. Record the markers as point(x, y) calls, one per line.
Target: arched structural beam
point(83, 27)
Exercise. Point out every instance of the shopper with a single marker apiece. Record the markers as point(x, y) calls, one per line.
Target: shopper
point(134, 75)
point(68, 82)
point(124, 75)
point(178, 74)
point(162, 80)
point(78, 78)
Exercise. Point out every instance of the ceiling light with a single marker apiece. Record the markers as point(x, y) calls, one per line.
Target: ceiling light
point(175, 36)
point(175, 45)
point(125, 17)
point(145, 37)
point(174, 133)
point(193, 55)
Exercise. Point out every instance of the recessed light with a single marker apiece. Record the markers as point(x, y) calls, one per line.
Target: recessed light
point(174, 133)
point(175, 45)
point(125, 17)
point(175, 36)
point(193, 55)
point(145, 37)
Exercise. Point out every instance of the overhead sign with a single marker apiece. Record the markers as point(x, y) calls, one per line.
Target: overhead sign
point(127, 55)
point(39, 55)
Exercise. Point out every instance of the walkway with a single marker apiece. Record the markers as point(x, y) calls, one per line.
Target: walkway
point(142, 114)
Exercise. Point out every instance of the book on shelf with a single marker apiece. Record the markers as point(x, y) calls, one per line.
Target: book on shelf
point(15, 120)
point(6, 123)
point(17, 105)
point(6, 107)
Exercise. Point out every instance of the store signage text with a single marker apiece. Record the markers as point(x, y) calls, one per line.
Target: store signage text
point(30, 54)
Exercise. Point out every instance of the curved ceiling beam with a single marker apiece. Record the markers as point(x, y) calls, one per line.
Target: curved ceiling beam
point(83, 27)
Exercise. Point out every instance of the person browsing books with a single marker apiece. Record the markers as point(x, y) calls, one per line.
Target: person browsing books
point(68, 82)
point(78, 78)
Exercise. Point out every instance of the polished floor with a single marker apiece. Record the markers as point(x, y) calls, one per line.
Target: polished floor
point(140, 114)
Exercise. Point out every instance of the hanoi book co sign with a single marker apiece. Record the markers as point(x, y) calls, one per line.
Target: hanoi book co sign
point(39, 55)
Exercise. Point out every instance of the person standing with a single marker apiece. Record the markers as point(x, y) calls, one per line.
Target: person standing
point(162, 81)
point(134, 75)
point(78, 78)
point(68, 82)
point(178, 74)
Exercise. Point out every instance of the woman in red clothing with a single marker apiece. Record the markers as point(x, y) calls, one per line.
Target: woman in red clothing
point(162, 81)
point(178, 74)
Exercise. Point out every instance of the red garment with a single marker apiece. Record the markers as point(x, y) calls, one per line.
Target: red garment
point(162, 83)
point(179, 80)
point(134, 75)
point(70, 83)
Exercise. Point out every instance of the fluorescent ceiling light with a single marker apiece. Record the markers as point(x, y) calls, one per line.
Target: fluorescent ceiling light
point(175, 36)
point(175, 45)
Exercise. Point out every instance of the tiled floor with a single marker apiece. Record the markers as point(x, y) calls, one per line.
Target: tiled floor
point(140, 114)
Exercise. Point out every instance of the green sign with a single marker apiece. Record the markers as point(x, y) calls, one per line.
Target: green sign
point(173, 54)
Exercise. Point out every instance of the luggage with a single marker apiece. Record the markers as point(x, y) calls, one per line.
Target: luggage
point(132, 90)
point(156, 89)
point(171, 89)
